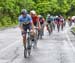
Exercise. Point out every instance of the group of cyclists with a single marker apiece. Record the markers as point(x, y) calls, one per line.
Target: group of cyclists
point(34, 21)
point(55, 21)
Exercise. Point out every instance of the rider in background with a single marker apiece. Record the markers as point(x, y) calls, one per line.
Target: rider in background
point(49, 20)
point(61, 21)
point(57, 21)
point(25, 22)
point(42, 21)
point(69, 21)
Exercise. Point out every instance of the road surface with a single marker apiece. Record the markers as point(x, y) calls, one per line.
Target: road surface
point(56, 48)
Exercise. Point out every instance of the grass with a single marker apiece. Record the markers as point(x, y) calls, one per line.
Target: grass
point(7, 26)
point(73, 29)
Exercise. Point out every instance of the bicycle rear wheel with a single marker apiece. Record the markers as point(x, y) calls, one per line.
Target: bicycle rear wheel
point(35, 43)
point(41, 34)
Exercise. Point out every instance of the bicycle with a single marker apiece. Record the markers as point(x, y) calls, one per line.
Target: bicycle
point(58, 26)
point(61, 24)
point(41, 31)
point(50, 29)
point(27, 49)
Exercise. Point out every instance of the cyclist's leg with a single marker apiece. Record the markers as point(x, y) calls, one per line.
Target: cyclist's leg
point(48, 24)
point(58, 25)
point(62, 25)
point(36, 25)
point(51, 26)
point(24, 35)
point(24, 38)
point(43, 29)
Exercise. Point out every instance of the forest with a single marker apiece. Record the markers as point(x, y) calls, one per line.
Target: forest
point(10, 9)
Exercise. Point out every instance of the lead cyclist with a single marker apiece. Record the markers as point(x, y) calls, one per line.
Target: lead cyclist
point(25, 22)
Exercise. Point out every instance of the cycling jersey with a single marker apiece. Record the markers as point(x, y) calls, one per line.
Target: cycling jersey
point(24, 19)
point(50, 18)
point(25, 22)
point(41, 20)
point(35, 20)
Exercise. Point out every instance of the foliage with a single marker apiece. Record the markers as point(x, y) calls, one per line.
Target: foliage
point(10, 9)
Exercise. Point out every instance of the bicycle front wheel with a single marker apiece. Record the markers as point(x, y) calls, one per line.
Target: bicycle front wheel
point(25, 53)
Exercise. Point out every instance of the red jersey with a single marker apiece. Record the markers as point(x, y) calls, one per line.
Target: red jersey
point(35, 19)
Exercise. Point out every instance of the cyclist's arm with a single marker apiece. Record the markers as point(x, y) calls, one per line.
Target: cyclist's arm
point(32, 26)
point(20, 24)
point(21, 28)
point(38, 22)
point(31, 22)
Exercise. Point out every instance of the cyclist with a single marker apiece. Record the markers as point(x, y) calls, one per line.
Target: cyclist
point(57, 20)
point(41, 20)
point(36, 22)
point(35, 19)
point(25, 22)
point(61, 21)
point(49, 22)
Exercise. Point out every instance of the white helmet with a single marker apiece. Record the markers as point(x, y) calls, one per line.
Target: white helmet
point(56, 16)
point(39, 15)
point(48, 15)
point(33, 12)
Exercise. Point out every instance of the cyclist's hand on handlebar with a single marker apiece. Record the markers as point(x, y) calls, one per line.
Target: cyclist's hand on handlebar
point(32, 30)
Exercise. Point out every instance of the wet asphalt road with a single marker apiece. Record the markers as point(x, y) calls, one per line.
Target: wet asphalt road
point(56, 48)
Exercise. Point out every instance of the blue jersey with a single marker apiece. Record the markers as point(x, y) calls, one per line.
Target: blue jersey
point(50, 18)
point(24, 19)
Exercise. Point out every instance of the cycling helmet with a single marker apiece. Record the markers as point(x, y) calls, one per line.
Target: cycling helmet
point(23, 11)
point(48, 15)
point(56, 16)
point(40, 16)
point(32, 12)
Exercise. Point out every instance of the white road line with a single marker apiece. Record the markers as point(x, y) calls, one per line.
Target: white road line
point(69, 40)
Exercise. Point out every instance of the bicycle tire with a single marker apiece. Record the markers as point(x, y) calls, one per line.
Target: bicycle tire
point(29, 52)
point(29, 47)
point(41, 34)
point(25, 53)
point(35, 44)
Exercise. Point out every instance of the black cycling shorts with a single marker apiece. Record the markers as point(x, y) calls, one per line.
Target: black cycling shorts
point(48, 22)
point(35, 24)
point(25, 27)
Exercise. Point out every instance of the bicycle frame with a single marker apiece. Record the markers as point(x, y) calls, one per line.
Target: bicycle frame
point(28, 44)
